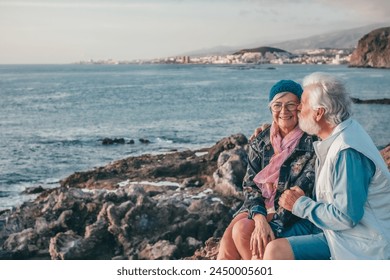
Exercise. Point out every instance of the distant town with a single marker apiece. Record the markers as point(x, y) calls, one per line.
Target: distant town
point(263, 55)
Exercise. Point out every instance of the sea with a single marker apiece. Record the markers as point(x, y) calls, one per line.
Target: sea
point(53, 117)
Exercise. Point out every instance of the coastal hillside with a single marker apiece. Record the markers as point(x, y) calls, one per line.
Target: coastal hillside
point(342, 39)
point(262, 50)
point(373, 50)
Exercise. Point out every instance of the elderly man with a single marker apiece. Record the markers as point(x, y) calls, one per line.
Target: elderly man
point(352, 188)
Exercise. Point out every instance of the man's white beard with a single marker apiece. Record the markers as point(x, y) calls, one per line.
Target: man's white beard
point(309, 125)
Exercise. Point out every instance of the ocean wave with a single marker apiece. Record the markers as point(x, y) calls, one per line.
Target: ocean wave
point(164, 140)
point(14, 178)
point(5, 193)
point(15, 200)
point(59, 141)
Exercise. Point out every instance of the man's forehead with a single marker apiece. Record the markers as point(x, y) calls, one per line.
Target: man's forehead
point(305, 94)
point(309, 87)
point(306, 91)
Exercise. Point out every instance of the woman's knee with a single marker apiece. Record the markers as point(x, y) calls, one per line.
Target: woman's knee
point(278, 249)
point(228, 231)
point(227, 246)
point(242, 229)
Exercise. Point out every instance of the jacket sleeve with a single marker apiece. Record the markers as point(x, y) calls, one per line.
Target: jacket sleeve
point(306, 180)
point(254, 202)
point(351, 176)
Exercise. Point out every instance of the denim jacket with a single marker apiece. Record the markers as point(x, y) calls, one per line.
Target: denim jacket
point(297, 170)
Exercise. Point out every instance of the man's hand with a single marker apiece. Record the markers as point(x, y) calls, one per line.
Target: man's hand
point(258, 131)
point(289, 197)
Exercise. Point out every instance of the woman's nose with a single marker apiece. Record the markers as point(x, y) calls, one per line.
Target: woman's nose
point(284, 109)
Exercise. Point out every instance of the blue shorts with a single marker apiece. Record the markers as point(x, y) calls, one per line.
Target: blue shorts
point(307, 241)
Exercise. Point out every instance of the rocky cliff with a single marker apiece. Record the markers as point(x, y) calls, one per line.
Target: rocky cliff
point(373, 50)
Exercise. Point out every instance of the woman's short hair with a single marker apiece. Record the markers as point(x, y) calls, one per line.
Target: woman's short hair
point(329, 93)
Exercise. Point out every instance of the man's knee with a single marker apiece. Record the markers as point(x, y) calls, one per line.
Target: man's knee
point(278, 249)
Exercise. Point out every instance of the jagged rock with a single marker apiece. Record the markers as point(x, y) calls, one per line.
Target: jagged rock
point(118, 212)
point(227, 143)
point(231, 171)
point(128, 220)
point(71, 246)
point(208, 252)
point(22, 244)
point(173, 167)
point(193, 182)
point(61, 245)
point(161, 250)
point(144, 141)
point(371, 101)
point(109, 141)
point(373, 50)
point(33, 190)
point(125, 222)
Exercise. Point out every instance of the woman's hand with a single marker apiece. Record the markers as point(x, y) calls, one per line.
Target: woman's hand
point(261, 236)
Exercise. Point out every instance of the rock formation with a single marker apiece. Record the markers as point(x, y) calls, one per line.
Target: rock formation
point(373, 50)
point(147, 207)
point(371, 101)
point(262, 50)
point(170, 206)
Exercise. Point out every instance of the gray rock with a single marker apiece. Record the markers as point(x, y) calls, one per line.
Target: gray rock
point(92, 216)
point(231, 171)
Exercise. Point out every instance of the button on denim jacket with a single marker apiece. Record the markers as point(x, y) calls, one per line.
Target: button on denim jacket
point(297, 170)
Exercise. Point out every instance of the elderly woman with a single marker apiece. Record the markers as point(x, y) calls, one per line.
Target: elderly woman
point(280, 157)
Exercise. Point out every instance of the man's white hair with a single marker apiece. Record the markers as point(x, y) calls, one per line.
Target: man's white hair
point(329, 93)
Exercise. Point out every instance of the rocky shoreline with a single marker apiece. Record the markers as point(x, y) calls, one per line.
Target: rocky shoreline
point(170, 206)
point(148, 207)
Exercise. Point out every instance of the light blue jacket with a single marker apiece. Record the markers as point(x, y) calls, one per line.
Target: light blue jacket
point(355, 226)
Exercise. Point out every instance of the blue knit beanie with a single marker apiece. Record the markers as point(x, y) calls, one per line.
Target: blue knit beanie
point(286, 86)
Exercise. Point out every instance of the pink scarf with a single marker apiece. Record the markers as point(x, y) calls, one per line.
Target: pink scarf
point(267, 179)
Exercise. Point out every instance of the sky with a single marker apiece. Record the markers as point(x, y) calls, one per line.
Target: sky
point(67, 31)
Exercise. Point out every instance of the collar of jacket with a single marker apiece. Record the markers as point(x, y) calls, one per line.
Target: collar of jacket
point(263, 139)
point(322, 147)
